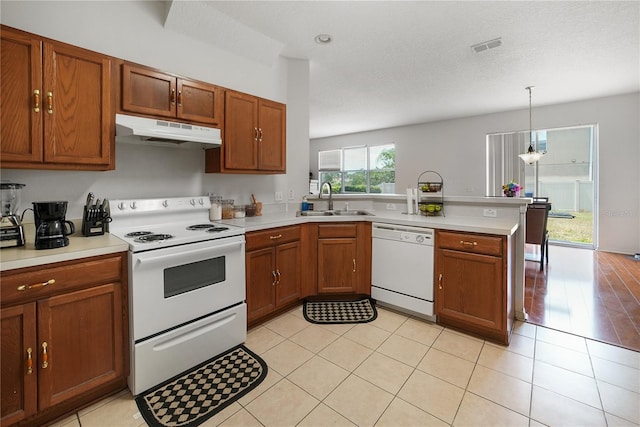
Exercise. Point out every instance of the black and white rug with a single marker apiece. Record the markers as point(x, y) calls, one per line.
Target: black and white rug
point(331, 312)
point(191, 398)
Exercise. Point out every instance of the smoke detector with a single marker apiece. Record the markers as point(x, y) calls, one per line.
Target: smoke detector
point(490, 44)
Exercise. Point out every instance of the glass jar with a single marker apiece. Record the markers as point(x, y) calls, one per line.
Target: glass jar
point(238, 211)
point(227, 209)
point(251, 210)
point(215, 212)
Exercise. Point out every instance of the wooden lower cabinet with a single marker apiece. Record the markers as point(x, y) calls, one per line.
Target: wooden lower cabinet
point(472, 285)
point(344, 258)
point(64, 344)
point(273, 270)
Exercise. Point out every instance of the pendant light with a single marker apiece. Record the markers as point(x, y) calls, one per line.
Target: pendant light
point(531, 156)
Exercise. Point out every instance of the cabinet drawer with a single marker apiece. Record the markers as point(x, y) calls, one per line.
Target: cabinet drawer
point(70, 275)
point(271, 237)
point(475, 243)
point(337, 230)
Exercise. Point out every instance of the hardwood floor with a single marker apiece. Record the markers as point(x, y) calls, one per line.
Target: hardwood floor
point(588, 293)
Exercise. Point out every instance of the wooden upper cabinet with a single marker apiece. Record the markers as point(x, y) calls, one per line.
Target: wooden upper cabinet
point(150, 92)
point(254, 136)
point(21, 97)
point(56, 105)
point(271, 138)
point(78, 114)
point(240, 131)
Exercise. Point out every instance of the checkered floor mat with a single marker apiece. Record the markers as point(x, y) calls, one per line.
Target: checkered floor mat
point(328, 312)
point(193, 397)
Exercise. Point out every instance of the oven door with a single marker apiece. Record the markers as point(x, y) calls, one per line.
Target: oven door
point(175, 285)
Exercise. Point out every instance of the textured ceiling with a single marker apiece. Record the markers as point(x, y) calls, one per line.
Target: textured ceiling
point(393, 63)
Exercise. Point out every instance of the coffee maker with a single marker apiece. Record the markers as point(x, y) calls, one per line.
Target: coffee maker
point(11, 230)
point(51, 227)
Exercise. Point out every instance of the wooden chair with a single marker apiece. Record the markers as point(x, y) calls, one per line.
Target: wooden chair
point(536, 232)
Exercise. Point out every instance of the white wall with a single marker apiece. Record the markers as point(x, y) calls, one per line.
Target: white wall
point(456, 149)
point(133, 30)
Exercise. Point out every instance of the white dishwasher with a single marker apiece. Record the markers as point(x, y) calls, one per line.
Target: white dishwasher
point(402, 267)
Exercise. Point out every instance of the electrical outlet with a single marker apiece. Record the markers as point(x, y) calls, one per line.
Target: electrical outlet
point(292, 195)
point(491, 212)
point(391, 206)
point(278, 196)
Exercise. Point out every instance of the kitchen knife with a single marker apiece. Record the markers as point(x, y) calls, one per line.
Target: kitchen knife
point(89, 202)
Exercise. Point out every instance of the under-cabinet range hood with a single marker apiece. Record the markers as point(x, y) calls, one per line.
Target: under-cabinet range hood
point(133, 129)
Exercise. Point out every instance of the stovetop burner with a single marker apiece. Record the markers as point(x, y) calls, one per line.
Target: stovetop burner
point(152, 238)
point(216, 229)
point(137, 233)
point(200, 226)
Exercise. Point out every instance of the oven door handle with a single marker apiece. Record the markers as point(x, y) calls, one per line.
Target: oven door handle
point(152, 259)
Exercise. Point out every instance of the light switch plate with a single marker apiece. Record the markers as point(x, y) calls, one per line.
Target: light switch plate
point(292, 195)
point(278, 196)
point(391, 206)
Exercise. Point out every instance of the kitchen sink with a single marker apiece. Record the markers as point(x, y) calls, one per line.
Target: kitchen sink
point(353, 212)
point(314, 213)
point(331, 213)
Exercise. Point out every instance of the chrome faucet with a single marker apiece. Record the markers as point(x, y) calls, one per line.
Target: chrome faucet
point(330, 194)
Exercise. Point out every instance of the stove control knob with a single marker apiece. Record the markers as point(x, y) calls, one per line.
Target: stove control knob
point(165, 203)
point(133, 205)
point(201, 202)
point(193, 202)
point(419, 239)
point(122, 206)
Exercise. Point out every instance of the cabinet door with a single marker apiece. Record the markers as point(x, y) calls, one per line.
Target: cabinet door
point(20, 98)
point(271, 136)
point(240, 131)
point(78, 123)
point(147, 91)
point(337, 265)
point(288, 272)
point(84, 343)
point(19, 398)
point(200, 102)
point(261, 279)
point(470, 289)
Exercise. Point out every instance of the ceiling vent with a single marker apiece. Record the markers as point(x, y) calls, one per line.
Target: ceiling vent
point(481, 47)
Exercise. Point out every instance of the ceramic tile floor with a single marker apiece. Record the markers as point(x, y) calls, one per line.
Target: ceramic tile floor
point(402, 371)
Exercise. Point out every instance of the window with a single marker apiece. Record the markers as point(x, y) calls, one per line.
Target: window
point(359, 169)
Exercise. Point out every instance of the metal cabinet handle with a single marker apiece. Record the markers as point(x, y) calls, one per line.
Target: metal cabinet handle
point(354, 265)
point(440, 281)
point(172, 97)
point(179, 97)
point(29, 361)
point(278, 273)
point(462, 242)
point(50, 102)
point(273, 273)
point(276, 237)
point(255, 134)
point(37, 285)
point(259, 134)
point(36, 101)
point(45, 355)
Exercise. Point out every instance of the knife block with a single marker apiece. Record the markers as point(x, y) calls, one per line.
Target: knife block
point(94, 221)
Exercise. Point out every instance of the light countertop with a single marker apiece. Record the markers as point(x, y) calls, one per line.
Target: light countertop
point(79, 247)
point(82, 247)
point(497, 226)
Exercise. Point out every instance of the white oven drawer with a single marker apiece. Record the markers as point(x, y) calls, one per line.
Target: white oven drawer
point(165, 356)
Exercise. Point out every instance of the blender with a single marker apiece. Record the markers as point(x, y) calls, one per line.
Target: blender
point(11, 230)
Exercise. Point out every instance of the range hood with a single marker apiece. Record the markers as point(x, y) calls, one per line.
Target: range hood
point(133, 129)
